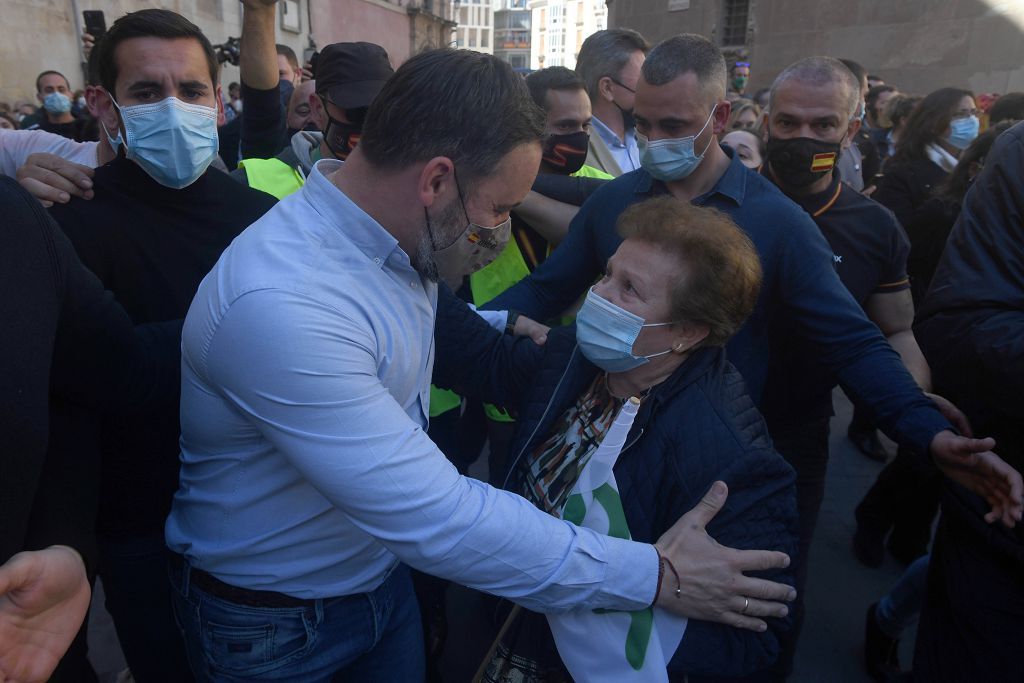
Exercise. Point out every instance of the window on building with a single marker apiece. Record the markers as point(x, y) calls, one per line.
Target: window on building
point(472, 37)
point(517, 61)
point(485, 38)
point(734, 22)
point(460, 38)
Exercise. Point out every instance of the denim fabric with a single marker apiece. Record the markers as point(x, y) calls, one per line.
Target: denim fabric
point(901, 606)
point(374, 636)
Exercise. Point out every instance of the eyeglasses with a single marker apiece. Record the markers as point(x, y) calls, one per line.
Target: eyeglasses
point(964, 113)
point(621, 84)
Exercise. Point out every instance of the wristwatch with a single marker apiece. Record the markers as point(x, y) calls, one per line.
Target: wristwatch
point(510, 323)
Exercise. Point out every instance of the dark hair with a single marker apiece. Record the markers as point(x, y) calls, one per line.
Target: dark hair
point(288, 54)
point(10, 119)
point(898, 108)
point(51, 72)
point(859, 72)
point(873, 94)
point(470, 107)
point(551, 78)
point(723, 270)
point(927, 122)
point(956, 185)
point(1009, 107)
point(148, 23)
point(606, 53)
point(685, 53)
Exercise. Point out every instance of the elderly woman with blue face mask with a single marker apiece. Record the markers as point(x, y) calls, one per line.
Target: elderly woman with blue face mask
point(641, 378)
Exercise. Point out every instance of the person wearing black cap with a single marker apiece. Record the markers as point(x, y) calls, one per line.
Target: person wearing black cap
point(348, 76)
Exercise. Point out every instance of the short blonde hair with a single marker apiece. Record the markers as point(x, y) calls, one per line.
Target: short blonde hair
point(723, 266)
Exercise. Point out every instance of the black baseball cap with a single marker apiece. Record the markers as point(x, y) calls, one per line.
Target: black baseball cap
point(351, 74)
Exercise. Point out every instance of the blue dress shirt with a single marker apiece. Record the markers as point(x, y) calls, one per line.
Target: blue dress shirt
point(626, 154)
point(306, 469)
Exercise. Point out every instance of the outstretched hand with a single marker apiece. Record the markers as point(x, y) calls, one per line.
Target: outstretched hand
point(44, 596)
point(970, 463)
point(712, 585)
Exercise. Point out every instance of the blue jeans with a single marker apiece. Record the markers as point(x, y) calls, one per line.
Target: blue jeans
point(901, 606)
point(373, 636)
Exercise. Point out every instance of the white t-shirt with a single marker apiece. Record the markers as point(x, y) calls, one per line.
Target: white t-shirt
point(17, 145)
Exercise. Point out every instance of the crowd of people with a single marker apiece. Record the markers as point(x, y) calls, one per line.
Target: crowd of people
point(257, 336)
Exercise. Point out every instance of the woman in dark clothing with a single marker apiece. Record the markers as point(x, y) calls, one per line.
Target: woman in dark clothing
point(63, 337)
point(941, 126)
point(905, 497)
point(679, 286)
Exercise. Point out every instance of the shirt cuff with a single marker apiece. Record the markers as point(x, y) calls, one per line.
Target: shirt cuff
point(496, 319)
point(632, 579)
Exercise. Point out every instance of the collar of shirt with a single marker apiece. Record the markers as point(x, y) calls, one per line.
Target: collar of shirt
point(608, 136)
point(817, 203)
point(363, 231)
point(940, 157)
point(732, 184)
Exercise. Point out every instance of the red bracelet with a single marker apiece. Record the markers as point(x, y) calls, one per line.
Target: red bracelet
point(661, 577)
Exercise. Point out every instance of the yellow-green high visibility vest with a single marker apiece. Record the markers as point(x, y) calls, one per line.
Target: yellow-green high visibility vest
point(272, 176)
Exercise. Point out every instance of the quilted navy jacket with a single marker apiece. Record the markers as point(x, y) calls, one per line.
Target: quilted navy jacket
point(697, 427)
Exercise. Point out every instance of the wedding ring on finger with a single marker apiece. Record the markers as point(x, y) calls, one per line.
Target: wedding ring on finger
point(746, 604)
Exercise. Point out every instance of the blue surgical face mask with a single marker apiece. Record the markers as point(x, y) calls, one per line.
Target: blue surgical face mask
point(606, 334)
point(963, 131)
point(672, 158)
point(57, 103)
point(174, 142)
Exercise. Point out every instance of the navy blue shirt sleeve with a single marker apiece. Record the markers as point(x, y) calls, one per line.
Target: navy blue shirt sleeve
point(263, 123)
point(565, 274)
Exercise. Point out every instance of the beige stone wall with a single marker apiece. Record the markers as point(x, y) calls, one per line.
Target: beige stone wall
point(918, 45)
point(41, 34)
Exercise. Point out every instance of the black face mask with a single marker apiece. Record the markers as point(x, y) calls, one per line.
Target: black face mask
point(341, 138)
point(628, 120)
point(566, 153)
point(799, 162)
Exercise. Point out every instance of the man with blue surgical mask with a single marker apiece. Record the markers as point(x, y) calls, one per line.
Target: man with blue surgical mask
point(54, 94)
point(158, 221)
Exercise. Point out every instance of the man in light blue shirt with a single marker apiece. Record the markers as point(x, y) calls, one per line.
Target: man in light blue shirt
point(307, 478)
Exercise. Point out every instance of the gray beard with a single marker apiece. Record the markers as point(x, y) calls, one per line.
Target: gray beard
point(446, 228)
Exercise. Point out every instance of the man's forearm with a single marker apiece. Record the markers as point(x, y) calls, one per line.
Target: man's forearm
point(547, 216)
point(906, 345)
point(258, 59)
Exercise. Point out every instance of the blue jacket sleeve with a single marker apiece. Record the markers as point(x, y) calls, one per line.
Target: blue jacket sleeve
point(562, 277)
point(471, 357)
point(851, 346)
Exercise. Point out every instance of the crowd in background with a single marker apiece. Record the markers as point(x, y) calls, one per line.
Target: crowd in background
point(255, 336)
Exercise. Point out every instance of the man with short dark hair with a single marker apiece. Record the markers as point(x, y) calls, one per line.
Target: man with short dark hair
point(609, 64)
point(157, 223)
point(288, 65)
point(307, 479)
point(54, 94)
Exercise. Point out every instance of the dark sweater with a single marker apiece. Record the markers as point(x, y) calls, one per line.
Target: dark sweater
point(60, 335)
point(151, 246)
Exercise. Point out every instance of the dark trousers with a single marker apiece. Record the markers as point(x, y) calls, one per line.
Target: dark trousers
point(806, 449)
point(970, 628)
point(138, 598)
point(905, 499)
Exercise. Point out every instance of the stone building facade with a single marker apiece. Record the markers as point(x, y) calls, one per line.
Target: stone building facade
point(918, 45)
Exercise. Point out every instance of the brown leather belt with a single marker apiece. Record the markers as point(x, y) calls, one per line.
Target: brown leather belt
point(242, 596)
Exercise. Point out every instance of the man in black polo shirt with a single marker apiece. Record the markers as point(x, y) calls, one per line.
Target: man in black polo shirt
point(157, 224)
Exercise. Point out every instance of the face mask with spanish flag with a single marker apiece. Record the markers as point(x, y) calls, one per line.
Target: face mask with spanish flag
point(799, 162)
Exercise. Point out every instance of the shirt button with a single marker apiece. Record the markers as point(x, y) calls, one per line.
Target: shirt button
point(377, 261)
point(412, 285)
